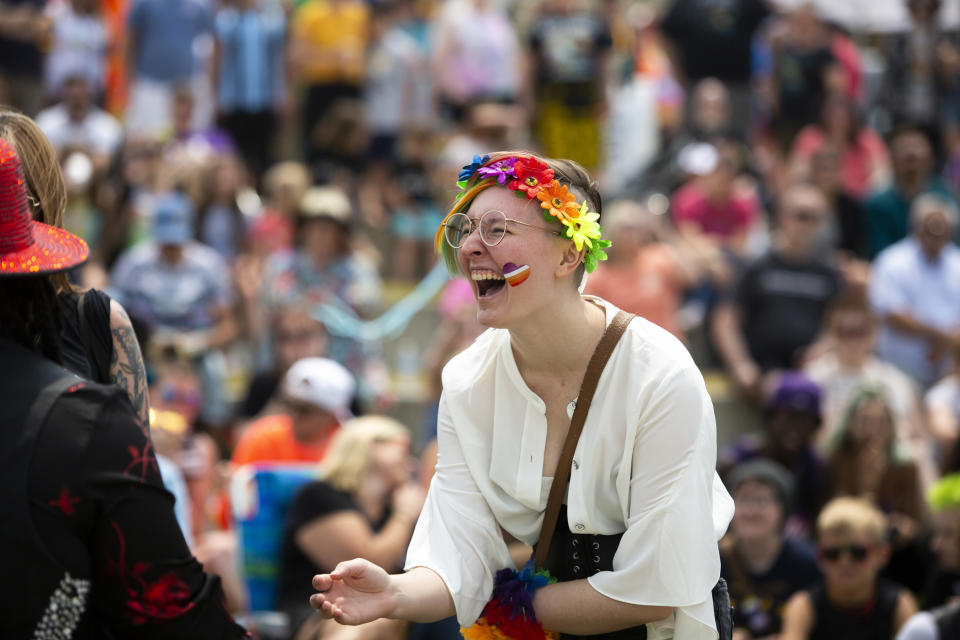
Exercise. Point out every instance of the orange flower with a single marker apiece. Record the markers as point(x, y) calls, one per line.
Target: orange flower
point(558, 202)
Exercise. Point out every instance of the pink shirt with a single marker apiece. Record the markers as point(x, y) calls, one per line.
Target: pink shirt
point(723, 220)
point(860, 158)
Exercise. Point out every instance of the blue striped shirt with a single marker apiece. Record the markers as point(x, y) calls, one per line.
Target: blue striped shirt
point(251, 59)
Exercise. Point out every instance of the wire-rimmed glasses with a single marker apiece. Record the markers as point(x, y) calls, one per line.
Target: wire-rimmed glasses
point(492, 225)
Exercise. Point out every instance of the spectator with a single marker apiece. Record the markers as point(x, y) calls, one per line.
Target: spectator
point(792, 418)
point(78, 46)
point(847, 362)
point(915, 290)
point(327, 56)
point(711, 117)
point(570, 47)
point(179, 289)
point(763, 568)
point(318, 393)
point(866, 462)
point(295, 335)
point(325, 268)
point(888, 210)
point(176, 398)
point(364, 506)
point(189, 137)
point(173, 283)
point(78, 124)
point(248, 78)
point(713, 40)
point(777, 309)
point(942, 403)
point(221, 225)
point(852, 601)
point(847, 222)
point(864, 162)
point(90, 528)
point(476, 56)
point(943, 586)
point(805, 72)
point(390, 89)
point(284, 183)
point(645, 274)
point(161, 57)
point(24, 28)
point(920, 80)
point(720, 201)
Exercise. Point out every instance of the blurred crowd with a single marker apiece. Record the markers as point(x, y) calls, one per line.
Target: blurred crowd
point(781, 182)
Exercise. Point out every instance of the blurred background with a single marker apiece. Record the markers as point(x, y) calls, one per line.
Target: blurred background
point(261, 180)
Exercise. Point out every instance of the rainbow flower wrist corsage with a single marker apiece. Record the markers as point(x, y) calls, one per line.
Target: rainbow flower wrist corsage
point(509, 614)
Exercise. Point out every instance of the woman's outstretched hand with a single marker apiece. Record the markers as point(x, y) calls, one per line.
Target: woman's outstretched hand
point(356, 591)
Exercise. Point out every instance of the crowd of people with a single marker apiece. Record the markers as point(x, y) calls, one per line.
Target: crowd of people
point(782, 195)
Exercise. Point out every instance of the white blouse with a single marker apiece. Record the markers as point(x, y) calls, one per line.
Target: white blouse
point(644, 466)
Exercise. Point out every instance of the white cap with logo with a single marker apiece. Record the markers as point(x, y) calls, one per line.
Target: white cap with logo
point(323, 383)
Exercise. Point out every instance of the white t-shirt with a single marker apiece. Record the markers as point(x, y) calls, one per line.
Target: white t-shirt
point(644, 466)
point(99, 133)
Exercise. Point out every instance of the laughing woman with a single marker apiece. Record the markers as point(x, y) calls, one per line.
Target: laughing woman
point(635, 545)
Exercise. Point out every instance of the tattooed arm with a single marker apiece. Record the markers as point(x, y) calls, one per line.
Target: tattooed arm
point(126, 364)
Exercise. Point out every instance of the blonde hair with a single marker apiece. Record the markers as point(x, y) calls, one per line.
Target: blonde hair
point(349, 456)
point(847, 516)
point(292, 177)
point(46, 189)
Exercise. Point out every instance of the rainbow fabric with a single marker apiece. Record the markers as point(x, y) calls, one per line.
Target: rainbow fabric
point(509, 614)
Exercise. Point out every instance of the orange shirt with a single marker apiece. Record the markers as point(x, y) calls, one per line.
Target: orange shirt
point(649, 286)
point(270, 439)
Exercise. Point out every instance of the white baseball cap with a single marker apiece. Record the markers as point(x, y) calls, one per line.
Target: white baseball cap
point(323, 383)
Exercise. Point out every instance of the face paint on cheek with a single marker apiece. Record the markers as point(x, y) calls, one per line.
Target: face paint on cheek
point(514, 274)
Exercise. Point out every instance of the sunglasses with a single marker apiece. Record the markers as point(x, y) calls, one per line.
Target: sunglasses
point(856, 552)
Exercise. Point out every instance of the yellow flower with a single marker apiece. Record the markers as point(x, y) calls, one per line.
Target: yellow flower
point(583, 227)
point(558, 201)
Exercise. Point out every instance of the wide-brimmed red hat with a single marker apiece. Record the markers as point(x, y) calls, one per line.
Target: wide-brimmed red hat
point(29, 248)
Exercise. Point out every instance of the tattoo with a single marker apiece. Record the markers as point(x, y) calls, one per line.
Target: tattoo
point(126, 365)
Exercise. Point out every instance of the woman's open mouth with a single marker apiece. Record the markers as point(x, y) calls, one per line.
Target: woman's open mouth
point(488, 283)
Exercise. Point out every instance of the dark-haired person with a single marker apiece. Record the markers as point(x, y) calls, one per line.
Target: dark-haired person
point(98, 340)
point(89, 542)
point(763, 567)
point(636, 542)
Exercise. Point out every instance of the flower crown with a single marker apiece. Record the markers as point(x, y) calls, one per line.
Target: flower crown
point(527, 176)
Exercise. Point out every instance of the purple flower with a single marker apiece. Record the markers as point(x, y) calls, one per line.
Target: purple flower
point(502, 170)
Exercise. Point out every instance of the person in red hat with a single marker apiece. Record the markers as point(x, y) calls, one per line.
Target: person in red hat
point(88, 542)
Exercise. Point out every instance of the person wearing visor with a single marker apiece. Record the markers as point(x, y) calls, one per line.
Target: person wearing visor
point(634, 544)
point(89, 539)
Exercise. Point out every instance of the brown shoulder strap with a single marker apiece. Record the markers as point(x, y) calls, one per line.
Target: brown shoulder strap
point(562, 475)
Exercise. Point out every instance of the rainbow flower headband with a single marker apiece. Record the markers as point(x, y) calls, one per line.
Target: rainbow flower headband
point(528, 176)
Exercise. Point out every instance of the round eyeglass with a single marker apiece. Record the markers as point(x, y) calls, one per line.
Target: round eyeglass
point(492, 225)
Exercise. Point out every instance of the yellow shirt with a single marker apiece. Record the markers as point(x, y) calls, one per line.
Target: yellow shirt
point(331, 40)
